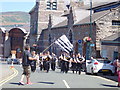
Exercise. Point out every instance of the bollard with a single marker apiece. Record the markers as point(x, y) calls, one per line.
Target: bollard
point(12, 66)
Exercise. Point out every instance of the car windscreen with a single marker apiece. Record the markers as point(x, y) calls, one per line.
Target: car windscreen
point(104, 61)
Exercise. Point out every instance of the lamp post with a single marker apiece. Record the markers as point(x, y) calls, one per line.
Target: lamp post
point(90, 35)
point(90, 19)
point(88, 48)
point(50, 43)
point(49, 32)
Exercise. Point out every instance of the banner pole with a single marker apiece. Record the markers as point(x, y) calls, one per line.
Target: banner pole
point(48, 47)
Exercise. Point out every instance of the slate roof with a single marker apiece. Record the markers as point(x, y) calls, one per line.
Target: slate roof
point(63, 23)
point(114, 37)
point(95, 16)
point(99, 4)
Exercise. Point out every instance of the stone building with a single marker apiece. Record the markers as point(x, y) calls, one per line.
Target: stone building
point(17, 39)
point(110, 47)
point(104, 20)
point(12, 39)
point(2, 39)
point(39, 16)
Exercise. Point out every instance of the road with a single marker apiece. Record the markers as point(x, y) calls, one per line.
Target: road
point(55, 79)
point(5, 70)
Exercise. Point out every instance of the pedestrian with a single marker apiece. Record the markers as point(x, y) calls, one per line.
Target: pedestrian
point(41, 61)
point(26, 59)
point(80, 59)
point(44, 61)
point(33, 62)
point(48, 59)
point(53, 62)
point(74, 63)
point(62, 62)
point(118, 70)
point(67, 60)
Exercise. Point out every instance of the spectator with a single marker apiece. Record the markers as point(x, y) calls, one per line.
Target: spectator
point(26, 59)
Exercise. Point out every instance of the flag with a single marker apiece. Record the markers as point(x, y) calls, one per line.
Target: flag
point(64, 43)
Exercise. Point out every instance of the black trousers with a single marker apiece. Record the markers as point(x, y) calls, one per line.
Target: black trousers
point(78, 67)
point(47, 66)
point(41, 66)
point(74, 67)
point(53, 65)
point(64, 66)
point(44, 65)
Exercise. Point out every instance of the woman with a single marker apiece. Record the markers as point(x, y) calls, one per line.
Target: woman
point(74, 62)
point(80, 59)
point(118, 70)
point(33, 63)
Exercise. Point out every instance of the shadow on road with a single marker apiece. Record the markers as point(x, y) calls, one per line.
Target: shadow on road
point(15, 83)
point(46, 82)
point(108, 85)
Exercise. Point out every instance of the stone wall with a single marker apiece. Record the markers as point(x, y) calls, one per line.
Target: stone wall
point(1, 43)
point(105, 27)
point(108, 51)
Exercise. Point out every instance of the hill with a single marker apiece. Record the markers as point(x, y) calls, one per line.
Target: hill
point(11, 19)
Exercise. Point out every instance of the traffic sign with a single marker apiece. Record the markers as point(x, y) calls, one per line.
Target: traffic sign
point(92, 45)
point(79, 41)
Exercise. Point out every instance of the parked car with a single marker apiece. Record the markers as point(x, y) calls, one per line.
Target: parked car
point(15, 61)
point(95, 66)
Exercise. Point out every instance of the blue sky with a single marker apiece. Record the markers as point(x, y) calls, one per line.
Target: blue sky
point(16, 6)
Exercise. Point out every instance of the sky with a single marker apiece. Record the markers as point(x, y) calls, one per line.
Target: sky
point(25, 6)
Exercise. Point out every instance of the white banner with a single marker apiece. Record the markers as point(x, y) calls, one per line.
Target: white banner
point(64, 43)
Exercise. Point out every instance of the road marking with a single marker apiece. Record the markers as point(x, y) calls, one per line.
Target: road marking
point(10, 77)
point(66, 84)
point(104, 79)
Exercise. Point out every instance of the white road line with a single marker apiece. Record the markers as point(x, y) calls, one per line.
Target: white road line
point(66, 84)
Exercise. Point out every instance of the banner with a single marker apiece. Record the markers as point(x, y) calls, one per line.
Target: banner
point(64, 44)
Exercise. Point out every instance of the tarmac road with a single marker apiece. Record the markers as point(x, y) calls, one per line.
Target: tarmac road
point(55, 79)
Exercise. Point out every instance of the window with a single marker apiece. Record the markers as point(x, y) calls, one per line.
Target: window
point(48, 5)
point(116, 22)
point(52, 5)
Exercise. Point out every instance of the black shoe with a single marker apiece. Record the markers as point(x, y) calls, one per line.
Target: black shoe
point(73, 71)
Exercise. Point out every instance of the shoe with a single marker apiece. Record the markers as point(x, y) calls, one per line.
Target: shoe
point(21, 83)
point(29, 83)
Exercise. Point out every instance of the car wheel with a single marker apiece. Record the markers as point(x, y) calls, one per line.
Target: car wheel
point(86, 72)
point(92, 71)
point(112, 74)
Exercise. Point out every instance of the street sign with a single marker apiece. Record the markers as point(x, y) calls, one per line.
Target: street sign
point(79, 41)
point(80, 46)
point(92, 45)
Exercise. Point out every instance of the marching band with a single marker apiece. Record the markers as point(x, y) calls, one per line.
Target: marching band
point(65, 62)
